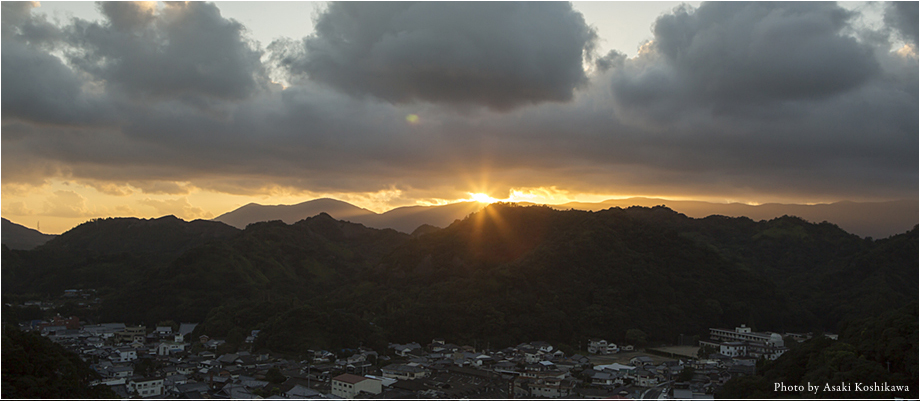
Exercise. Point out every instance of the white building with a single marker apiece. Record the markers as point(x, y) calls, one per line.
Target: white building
point(124, 354)
point(147, 387)
point(166, 347)
point(742, 342)
point(349, 386)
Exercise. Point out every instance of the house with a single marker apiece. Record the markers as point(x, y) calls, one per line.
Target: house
point(53, 330)
point(227, 359)
point(170, 347)
point(146, 387)
point(132, 334)
point(645, 378)
point(348, 385)
point(121, 371)
point(251, 338)
point(104, 330)
point(404, 350)
point(599, 346)
point(187, 328)
point(549, 387)
point(542, 346)
point(409, 371)
point(236, 392)
point(533, 356)
point(171, 382)
point(71, 323)
point(641, 361)
point(302, 392)
point(615, 367)
point(124, 354)
point(601, 378)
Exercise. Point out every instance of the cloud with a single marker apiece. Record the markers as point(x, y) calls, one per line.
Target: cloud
point(38, 87)
point(162, 187)
point(901, 17)
point(741, 57)
point(185, 50)
point(109, 188)
point(16, 209)
point(501, 55)
point(20, 25)
point(67, 204)
point(179, 207)
point(690, 116)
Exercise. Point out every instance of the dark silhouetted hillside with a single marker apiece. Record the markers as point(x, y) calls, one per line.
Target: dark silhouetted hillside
point(502, 275)
point(167, 235)
point(267, 260)
point(16, 236)
point(866, 219)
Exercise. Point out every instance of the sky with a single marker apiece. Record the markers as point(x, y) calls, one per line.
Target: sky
point(195, 109)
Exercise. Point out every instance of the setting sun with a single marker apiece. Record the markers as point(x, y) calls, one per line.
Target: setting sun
point(483, 198)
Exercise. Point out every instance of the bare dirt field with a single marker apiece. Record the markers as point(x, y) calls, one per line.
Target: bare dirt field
point(624, 357)
point(686, 351)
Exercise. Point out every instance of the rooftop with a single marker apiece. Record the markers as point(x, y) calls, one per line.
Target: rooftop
point(350, 378)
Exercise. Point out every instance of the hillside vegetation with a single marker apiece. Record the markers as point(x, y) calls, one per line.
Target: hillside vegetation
point(501, 276)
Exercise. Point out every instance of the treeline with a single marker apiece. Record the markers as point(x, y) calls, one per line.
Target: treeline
point(35, 367)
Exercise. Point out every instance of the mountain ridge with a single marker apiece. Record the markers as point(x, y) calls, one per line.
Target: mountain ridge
point(866, 219)
point(504, 274)
point(17, 236)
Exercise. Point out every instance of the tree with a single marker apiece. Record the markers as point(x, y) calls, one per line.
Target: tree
point(35, 367)
point(274, 376)
point(705, 350)
point(636, 337)
point(170, 323)
point(686, 374)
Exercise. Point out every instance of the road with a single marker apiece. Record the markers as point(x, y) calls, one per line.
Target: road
point(657, 392)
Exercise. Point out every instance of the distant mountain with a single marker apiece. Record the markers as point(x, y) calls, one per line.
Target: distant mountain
point(290, 214)
point(404, 219)
point(16, 236)
point(866, 219)
point(407, 219)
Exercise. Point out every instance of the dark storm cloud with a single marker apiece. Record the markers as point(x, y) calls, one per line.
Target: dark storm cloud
point(20, 25)
point(38, 87)
point(902, 17)
point(187, 49)
point(739, 56)
point(723, 103)
point(501, 55)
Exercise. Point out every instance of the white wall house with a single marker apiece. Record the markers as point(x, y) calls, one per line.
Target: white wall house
point(349, 386)
point(146, 387)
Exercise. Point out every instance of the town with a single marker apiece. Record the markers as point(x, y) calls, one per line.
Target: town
point(169, 361)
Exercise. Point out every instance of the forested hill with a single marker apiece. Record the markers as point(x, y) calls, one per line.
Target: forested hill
point(533, 271)
point(17, 236)
point(503, 275)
